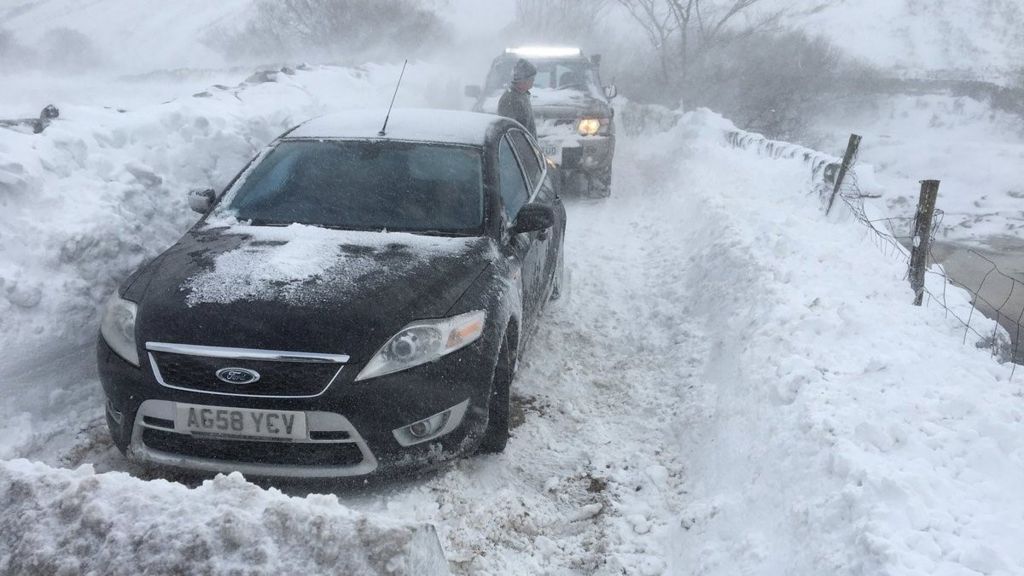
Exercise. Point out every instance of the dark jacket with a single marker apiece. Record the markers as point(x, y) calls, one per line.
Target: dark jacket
point(516, 105)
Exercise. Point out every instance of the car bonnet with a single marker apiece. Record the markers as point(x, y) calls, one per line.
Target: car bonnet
point(302, 288)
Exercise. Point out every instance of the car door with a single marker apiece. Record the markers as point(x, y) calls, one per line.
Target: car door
point(539, 262)
point(549, 243)
point(515, 193)
point(548, 196)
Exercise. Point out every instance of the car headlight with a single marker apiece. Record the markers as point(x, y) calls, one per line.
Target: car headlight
point(589, 126)
point(424, 341)
point(118, 328)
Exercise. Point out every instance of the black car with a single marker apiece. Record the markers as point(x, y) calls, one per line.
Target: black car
point(353, 302)
point(573, 111)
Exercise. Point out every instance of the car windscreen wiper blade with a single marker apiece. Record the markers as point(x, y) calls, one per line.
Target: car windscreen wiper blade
point(264, 222)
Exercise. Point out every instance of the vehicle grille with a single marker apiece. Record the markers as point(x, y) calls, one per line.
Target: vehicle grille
point(276, 378)
point(254, 452)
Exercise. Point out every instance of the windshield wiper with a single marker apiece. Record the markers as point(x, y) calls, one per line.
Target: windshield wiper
point(264, 222)
point(449, 233)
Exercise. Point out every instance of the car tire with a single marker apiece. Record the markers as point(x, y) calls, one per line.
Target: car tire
point(601, 185)
point(499, 407)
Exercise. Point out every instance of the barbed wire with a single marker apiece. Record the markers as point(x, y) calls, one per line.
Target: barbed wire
point(894, 237)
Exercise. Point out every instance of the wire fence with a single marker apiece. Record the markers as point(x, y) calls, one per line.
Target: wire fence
point(997, 296)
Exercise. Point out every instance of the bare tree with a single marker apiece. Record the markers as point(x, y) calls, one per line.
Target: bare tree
point(558, 20)
point(683, 31)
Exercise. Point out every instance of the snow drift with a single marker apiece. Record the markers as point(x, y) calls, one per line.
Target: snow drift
point(843, 431)
point(103, 190)
point(76, 522)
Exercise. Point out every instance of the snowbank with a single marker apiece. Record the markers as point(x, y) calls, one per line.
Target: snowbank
point(86, 202)
point(101, 190)
point(914, 38)
point(842, 430)
point(76, 522)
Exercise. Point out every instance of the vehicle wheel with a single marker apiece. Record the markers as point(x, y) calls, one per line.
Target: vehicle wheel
point(496, 436)
point(601, 185)
point(578, 183)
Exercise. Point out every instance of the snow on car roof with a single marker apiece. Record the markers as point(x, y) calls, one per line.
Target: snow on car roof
point(412, 124)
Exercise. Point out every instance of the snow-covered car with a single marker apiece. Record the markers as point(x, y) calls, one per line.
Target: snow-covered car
point(352, 303)
point(573, 112)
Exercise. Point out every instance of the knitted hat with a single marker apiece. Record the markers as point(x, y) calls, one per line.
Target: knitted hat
point(523, 71)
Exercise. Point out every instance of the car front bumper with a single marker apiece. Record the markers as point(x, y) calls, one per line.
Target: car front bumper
point(593, 154)
point(351, 425)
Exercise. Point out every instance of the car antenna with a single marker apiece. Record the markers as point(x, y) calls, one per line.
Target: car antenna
point(399, 85)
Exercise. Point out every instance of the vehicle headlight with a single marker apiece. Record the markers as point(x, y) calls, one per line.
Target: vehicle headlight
point(589, 126)
point(118, 328)
point(424, 341)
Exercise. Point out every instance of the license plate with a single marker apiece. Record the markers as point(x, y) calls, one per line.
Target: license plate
point(274, 424)
point(552, 151)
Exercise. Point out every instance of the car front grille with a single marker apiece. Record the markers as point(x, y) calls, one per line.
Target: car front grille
point(276, 378)
point(254, 451)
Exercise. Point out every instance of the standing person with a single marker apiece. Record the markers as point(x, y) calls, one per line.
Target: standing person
point(515, 102)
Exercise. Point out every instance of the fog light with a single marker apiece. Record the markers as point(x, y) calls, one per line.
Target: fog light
point(429, 428)
point(424, 427)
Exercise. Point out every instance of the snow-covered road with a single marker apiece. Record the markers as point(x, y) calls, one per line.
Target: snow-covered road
point(593, 475)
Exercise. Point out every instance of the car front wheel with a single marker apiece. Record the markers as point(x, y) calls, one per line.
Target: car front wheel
point(497, 433)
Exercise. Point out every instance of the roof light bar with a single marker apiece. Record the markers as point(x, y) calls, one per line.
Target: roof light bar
point(544, 51)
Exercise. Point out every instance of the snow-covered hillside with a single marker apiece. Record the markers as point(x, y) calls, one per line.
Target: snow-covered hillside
point(976, 152)
point(129, 36)
point(961, 39)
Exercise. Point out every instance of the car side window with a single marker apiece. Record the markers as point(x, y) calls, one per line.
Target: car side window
point(547, 192)
point(514, 191)
point(528, 155)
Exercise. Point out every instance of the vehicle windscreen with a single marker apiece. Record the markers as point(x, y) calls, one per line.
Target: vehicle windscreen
point(364, 185)
point(554, 74)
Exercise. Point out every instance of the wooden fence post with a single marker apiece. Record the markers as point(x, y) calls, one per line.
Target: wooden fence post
point(848, 158)
point(922, 237)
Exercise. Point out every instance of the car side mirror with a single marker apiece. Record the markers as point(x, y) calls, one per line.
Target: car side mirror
point(610, 91)
point(473, 91)
point(201, 200)
point(533, 217)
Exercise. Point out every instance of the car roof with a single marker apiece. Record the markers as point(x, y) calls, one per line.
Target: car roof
point(405, 124)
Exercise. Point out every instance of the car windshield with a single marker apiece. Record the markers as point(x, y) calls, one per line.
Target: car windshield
point(556, 74)
point(364, 185)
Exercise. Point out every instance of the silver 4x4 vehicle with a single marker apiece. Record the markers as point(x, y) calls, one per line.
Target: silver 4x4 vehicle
point(575, 119)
